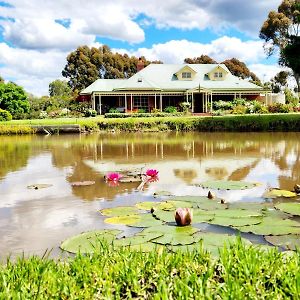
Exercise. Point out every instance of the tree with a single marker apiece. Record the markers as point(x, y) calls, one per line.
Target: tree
point(85, 65)
point(237, 68)
point(59, 88)
point(203, 59)
point(281, 31)
point(13, 99)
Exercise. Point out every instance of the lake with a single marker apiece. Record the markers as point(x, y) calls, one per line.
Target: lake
point(32, 220)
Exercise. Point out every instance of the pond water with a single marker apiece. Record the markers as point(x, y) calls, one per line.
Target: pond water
point(34, 220)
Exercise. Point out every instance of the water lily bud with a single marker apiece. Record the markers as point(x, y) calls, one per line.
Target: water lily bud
point(297, 188)
point(210, 195)
point(183, 216)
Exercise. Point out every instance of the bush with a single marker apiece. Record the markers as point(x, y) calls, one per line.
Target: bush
point(239, 110)
point(141, 111)
point(239, 101)
point(222, 105)
point(279, 108)
point(43, 115)
point(5, 115)
point(170, 109)
point(290, 98)
point(113, 110)
point(141, 115)
point(90, 113)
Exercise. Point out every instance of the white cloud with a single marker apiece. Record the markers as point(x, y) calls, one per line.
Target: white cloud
point(220, 49)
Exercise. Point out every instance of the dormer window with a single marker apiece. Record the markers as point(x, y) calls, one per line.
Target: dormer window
point(218, 75)
point(140, 79)
point(186, 75)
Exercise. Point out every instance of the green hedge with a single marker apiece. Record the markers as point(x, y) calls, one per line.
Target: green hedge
point(141, 115)
point(265, 122)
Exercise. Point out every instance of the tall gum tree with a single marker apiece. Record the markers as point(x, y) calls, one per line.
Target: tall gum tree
point(281, 31)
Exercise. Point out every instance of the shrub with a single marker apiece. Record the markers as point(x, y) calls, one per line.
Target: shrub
point(113, 110)
point(43, 115)
point(239, 101)
point(279, 108)
point(185, 107)
point(5, 115)
point(141, 111)
point(222, 105)
point(90, 113)
point(290, 98)
point(239, 110)
point(170, 109)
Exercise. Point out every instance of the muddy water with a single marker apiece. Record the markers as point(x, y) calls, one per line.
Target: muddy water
point(34, 220)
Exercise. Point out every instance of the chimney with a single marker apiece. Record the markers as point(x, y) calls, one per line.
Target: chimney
point(140, 65)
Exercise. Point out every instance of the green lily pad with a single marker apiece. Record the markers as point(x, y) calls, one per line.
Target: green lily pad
point(210, 242)
point(177, 204)
point(119, 211)
point(87, 242)
point(146, 220)
point(227, 185)
point(290, 208)
point(172, 235)
point(147, 247)
point(123, 220)
point(148, 205)
point(237, 213)
point(163, 215)
point(200, 202)
point(275, 213)
point(272, 226)
point(39, 186)
point(136, 239)
point(223, 221)
point(253, 206)
point(288, 242)
point(275, 193)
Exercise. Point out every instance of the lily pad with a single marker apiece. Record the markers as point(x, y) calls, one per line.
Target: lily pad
point(82, 183)
point(119, 211)
point(290, 208)
point(148, 205)
point(124, 220)
point(87, 242)
point(272, 226)
point(147, 247)
point(173, 235)
point(237, 213)
point(136, 239)
point(253, 206)
point(146, 220)
point(275, 193)
point(127, 179)
point(228, 185)
point(39, 186)
point(200, 202)
point(223, 221)
point(163, 215)
point(288, 242)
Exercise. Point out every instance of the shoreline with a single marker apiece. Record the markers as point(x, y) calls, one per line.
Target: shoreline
point(229, 123)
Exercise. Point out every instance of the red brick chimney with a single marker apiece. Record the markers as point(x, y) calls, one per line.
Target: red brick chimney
point(140, 65)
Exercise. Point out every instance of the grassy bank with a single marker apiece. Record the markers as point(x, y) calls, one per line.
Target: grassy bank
point(265, 122)
point(239, 273)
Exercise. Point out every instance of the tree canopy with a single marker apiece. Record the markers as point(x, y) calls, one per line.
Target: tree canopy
point(13, 99)
point(85, 65)
point(281, 31)
point(203, 59)
point(59, 88)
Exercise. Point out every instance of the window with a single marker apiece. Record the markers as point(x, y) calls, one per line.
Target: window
point(186, 75)
point(218, 75)
point(140, 102)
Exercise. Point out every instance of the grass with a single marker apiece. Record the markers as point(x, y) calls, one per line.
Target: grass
point(241, 123)
point(239, 273)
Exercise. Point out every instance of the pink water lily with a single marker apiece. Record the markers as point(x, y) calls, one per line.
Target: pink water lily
point(183, 216)
point(152, 173)
point(113, 177)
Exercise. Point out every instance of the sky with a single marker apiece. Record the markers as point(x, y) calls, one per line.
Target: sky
point(36, 36)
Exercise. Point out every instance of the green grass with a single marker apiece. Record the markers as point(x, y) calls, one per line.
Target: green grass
point(239, 273)
point(266, 122)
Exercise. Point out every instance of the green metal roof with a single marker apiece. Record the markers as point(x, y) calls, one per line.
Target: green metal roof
point(161, 77)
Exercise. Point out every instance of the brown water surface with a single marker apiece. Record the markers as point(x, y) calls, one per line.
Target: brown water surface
point(35, 220)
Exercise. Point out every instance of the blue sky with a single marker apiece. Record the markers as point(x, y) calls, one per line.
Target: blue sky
point(36, 36)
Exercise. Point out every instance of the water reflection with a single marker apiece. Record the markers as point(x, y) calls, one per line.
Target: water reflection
point(35, 219)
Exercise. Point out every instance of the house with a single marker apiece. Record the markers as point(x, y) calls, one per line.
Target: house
point(160, 85)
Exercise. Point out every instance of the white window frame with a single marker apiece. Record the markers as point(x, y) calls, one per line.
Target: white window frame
point(186, 75)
